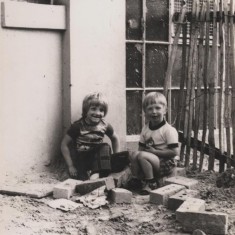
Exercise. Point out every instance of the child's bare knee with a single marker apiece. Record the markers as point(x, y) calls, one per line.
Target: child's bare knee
point(133, 156)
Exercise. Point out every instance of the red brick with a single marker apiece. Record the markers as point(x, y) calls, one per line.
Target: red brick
point(161, 195)
point(176, 200)
point(188, 183)
point(65, 189)
point(90, 185)
point(120, 195)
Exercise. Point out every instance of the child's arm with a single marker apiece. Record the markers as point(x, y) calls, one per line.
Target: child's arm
point(66, 154)
point(169, 152)
point(115, 142)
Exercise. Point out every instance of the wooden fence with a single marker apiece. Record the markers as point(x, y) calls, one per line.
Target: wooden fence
point(207, 97)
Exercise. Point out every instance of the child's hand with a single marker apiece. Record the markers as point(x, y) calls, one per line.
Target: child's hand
point(73, 171)
point(150, 149)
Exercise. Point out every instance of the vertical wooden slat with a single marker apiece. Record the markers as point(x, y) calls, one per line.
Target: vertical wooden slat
point(222, 85)
point(198, 96)
point(173, 52)
point(143, 21)
point(191, 79)
point(182, 99)
point(227, 113)
point(232, 70)
point(205, 74)
point(211, 83)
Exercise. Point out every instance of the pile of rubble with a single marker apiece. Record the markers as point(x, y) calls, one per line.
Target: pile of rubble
point(178, 194)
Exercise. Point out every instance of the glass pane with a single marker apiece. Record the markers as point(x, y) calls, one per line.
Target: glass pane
point(134, 112)
point(157, 20)
point(156, 65)
point(133, 19)
point(133, 65)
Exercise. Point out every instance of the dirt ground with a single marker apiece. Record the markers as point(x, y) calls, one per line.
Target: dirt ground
point(27, 216)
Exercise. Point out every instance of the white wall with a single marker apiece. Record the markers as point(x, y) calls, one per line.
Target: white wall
point(30, 98)
point(97, 37)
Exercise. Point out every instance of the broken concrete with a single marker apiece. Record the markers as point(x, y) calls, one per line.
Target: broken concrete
point(30, 190)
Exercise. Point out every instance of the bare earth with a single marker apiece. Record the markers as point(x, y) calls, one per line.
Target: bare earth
point(27, 216)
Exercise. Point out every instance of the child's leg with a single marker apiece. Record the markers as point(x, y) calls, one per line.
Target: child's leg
point(101, 161)
point(79, 159)
point(135, 167)
point(135, 182)
point(149, 163)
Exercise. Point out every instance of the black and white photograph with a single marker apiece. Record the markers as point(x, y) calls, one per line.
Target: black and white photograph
point(117, 117)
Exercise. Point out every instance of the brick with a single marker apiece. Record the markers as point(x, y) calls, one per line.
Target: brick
point(178, 171)
point(26, 189)
point(121, 178)
point(90, 185)
point(65, 189)
point(176, 200)
point(161, 195)
point(192, 205)
point(209, 222)
point(120, 195)
point(188, 183)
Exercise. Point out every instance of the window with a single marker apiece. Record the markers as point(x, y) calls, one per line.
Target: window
point(149, 32)
point(147, 46)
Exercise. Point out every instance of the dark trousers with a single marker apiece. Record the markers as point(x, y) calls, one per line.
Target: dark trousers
point(96, 160)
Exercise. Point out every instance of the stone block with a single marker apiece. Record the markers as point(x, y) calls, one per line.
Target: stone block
point(188, 183)
point(161, 195)
point(178, 171)
point(176, 200)
point(65, 189)
point(192, 205)
point(121, 178)
point(209, 222)
point(90, 185)
point(28, 189)
point(120, 195)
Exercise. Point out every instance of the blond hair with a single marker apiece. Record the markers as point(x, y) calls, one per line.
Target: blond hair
point(153, 98)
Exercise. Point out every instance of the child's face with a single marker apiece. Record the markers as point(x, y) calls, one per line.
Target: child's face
point(155, 112)
point(94, 114)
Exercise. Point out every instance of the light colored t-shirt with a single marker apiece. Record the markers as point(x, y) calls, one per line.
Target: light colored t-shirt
point(161, 137)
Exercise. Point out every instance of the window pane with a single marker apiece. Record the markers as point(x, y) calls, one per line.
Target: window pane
point(134, 112)
point(156, 65)
point(133, 65)
point(157, 20)
point(133, 19)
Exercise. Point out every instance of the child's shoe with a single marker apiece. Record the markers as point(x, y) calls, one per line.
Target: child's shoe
point(148, 187)
point(134, 184)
